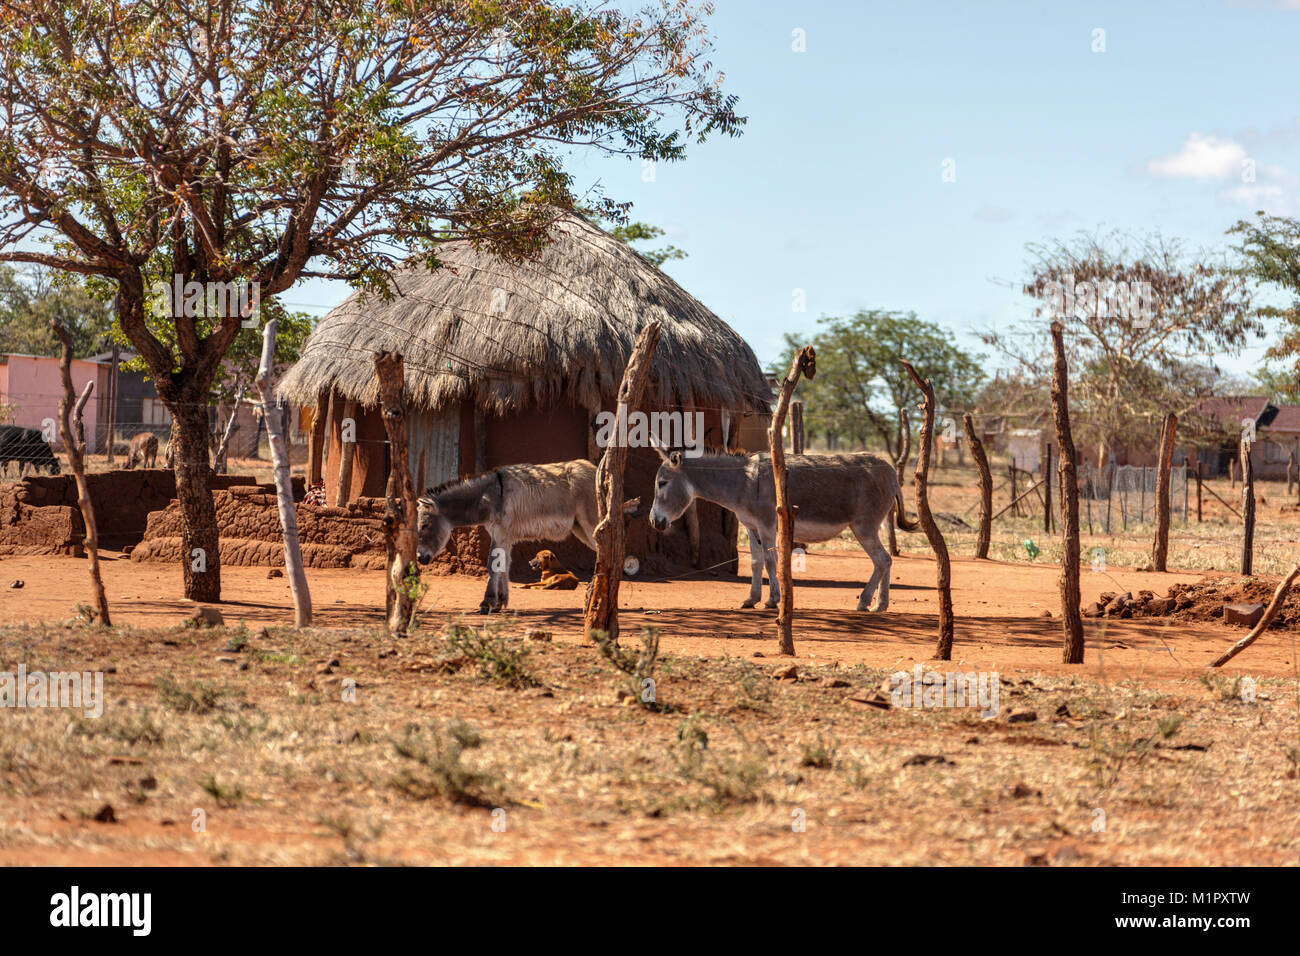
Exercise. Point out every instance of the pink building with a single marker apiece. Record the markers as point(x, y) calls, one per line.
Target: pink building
point(32, 387)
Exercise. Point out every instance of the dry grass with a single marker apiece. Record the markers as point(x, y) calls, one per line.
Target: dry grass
point(407, 753)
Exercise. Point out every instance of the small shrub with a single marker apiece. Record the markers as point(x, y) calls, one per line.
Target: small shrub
point(498, 659)
point(441, 772)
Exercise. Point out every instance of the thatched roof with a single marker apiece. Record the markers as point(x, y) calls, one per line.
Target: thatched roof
point(557, 329)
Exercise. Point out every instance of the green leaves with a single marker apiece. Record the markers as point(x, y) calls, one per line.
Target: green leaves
point(862, 393)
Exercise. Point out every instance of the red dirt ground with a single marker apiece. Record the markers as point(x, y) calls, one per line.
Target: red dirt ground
point(1000, 608)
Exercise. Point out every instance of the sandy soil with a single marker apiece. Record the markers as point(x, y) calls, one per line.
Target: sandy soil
point(1001, 611)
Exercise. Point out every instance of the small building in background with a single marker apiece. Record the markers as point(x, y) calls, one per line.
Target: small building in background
point(31, 387)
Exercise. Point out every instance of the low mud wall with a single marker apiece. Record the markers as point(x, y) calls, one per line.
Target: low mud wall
point(351, 537)
point(39, 515)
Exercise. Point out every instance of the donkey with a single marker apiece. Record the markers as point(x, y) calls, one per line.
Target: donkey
point(513, 503)
point(829, 493)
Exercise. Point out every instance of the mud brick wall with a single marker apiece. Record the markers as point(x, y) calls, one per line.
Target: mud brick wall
point(32, 529)
point(123, 500)
point(40, 515)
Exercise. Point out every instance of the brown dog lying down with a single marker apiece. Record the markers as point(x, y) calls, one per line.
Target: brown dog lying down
point(554, 575)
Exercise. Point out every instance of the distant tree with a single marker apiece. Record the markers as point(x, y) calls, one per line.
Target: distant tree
point(634, 232)
point(1143, 322)
point(862, 391)
point(30, 298)
point(1270, 254)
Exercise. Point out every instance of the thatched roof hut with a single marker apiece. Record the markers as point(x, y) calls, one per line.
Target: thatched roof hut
point(557, 329)
point(510, 362)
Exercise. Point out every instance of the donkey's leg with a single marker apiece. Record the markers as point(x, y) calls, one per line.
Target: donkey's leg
point(755, 568)
point(498, 557)
point(868, 536)
point(769, 564)
point(503, 576)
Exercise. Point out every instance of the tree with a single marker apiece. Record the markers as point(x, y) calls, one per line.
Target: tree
point(1143, 321)
point(227, 151)
point(1270, 254)
point(864, 392)
point(634, 232)
point(31, 298)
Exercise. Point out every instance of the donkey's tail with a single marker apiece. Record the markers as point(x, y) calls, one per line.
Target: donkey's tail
point(900, 513)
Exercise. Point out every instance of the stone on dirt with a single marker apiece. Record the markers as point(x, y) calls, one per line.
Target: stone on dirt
point(206, 617)
point(1242, 615)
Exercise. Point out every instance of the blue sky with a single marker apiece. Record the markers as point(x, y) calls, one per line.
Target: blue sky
point(836, 187)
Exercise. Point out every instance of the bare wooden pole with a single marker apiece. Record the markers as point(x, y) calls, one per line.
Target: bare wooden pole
point(293, 565)
point(223, 446)
point(1160, 549)
point(400, 514)
point(1247, 510)
point(796, 427)
point(1270, 612)
point(805, 364)
point(316, 452)
point(1047, 489)
point(1071, 619)
point(600, 610)
point(74, 441)
point(943, 649)
point(346, 426)
point(1200, 475)
point(113, 382)
point(986, 487)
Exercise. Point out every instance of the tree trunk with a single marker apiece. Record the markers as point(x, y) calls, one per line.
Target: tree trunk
point(400, 515)
point(200, 548)
point(1247, 510)
point(805, 363)
point(75, 444)
point(316, 453)
point(1159, 558)
point(1071, 619)
point(600, 610)
point(943, 649)
point(986, 487)
point(283, 482)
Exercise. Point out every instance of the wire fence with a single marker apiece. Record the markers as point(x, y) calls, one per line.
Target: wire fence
point(1118, 497)
point(33, 445)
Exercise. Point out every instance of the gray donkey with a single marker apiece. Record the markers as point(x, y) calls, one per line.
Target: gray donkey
point(830, 493)
point(513, 503)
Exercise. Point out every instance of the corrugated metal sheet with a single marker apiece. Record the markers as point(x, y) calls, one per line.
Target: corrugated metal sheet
point(438, 435)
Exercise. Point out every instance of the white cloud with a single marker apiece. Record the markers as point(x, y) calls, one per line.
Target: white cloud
point(1201, 157)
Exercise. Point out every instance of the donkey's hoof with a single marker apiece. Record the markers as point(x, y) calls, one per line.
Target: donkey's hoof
point(748, 603)
point(483, 609)
point(770, 605)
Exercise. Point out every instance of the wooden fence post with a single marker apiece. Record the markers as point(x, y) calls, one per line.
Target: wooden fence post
point(344, 491)
point(1247, 509)
point(1071, 619)
point(74, 442)
point(986, 487)
point(943, 649)
point(1160, 549)
point(600, 611)
point(796, 427)
point(805, 363)
point(283, 482)
point(319, 435)
point(1047, 490)
point(399, 514)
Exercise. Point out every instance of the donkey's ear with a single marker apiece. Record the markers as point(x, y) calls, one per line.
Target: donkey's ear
point(675, 459)
point(657, 446)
